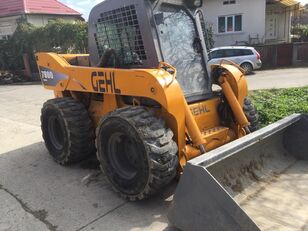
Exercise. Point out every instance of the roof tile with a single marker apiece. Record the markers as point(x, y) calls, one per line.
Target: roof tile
point(16, 7)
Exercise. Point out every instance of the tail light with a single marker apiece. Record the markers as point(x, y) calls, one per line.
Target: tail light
point(258, 55)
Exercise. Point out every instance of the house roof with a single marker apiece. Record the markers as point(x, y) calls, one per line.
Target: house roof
point(286, 3)
point(291, 5)
point(289, 2)
point(17, 7)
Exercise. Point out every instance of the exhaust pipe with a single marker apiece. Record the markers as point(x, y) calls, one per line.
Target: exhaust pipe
point(258, 182)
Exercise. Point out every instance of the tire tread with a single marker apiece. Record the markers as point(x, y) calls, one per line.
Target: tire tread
point(160, 147)
point(81, 141)
point(251, 114)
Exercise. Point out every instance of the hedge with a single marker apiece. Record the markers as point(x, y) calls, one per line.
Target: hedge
point(57, 36)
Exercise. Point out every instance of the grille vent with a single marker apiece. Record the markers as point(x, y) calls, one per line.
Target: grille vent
point(119, 30)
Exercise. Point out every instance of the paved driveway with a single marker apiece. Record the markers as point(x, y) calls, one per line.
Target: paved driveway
point(37, 194)
point(280, 78)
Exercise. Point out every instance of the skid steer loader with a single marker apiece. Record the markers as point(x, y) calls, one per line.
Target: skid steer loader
point(142, 99)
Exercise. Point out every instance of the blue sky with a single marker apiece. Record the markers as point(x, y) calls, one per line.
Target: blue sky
point(85, 6)
point(82, 6)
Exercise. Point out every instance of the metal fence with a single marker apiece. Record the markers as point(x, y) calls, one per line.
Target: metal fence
point(283, 55)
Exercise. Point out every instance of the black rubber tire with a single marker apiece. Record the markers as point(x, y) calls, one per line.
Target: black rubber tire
point(247, 67)
point(67, 130)
point(251, 114)
point(136, 152)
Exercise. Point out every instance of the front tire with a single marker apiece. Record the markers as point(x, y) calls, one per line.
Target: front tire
point(251, 114)
point(136, 152)
point(67, 130)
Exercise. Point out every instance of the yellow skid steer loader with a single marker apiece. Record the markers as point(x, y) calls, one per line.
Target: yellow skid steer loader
point(142, 99)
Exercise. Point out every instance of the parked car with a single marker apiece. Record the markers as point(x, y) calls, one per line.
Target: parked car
point(247, 57)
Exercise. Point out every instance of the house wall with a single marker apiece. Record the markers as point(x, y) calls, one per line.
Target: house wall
point(42, 20)
point(253, 20)
point(7, 26)
point(282, 26)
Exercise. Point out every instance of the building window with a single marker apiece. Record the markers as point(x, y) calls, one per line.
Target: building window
point(231, 23)
point(228, 2)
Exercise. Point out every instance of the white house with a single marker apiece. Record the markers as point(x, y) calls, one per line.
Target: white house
point(38, 13)
point(243, 22)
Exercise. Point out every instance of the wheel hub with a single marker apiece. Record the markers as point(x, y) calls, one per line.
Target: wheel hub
point(123, 155)
point(55, 132)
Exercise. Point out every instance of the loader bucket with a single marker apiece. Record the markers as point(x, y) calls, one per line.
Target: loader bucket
point(259, 182)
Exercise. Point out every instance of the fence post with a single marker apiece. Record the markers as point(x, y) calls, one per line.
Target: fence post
point(294, 54)
point(275, 55)
point(26, 60)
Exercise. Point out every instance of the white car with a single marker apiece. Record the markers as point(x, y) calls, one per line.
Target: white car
point(247, 57)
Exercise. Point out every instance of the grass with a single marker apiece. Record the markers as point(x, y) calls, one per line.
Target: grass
point(276, 104)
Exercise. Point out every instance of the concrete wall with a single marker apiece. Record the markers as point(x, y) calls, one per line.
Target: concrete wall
point(253, 20)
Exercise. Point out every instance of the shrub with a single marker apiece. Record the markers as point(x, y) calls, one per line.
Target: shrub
point(301, 31)
point(57, 36)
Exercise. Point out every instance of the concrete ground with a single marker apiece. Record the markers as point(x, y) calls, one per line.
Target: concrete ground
point(38, 194)
point(279, 78)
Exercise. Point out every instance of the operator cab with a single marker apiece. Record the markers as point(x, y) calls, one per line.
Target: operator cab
point(181, 46)
point(141, 33)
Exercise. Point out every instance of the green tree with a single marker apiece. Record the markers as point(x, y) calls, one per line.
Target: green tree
point(301, 31)
point(57, 36)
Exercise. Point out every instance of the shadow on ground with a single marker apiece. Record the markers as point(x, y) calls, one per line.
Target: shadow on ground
point(78, 197)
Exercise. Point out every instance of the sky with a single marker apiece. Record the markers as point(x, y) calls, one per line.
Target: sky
point(85, 6)
point(82, 6)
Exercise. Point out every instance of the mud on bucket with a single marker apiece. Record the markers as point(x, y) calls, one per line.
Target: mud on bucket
point(259, 182)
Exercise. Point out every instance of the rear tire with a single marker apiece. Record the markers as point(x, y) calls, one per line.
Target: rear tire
point(251, 114)
point(67, 130)
point(247, 68)
point(136, 152)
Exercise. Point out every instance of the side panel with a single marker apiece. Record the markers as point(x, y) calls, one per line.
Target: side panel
point(206, 114)
point(51, 78)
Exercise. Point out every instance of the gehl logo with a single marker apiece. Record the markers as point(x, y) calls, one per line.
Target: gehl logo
point(104, 82)
point(199, 110)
